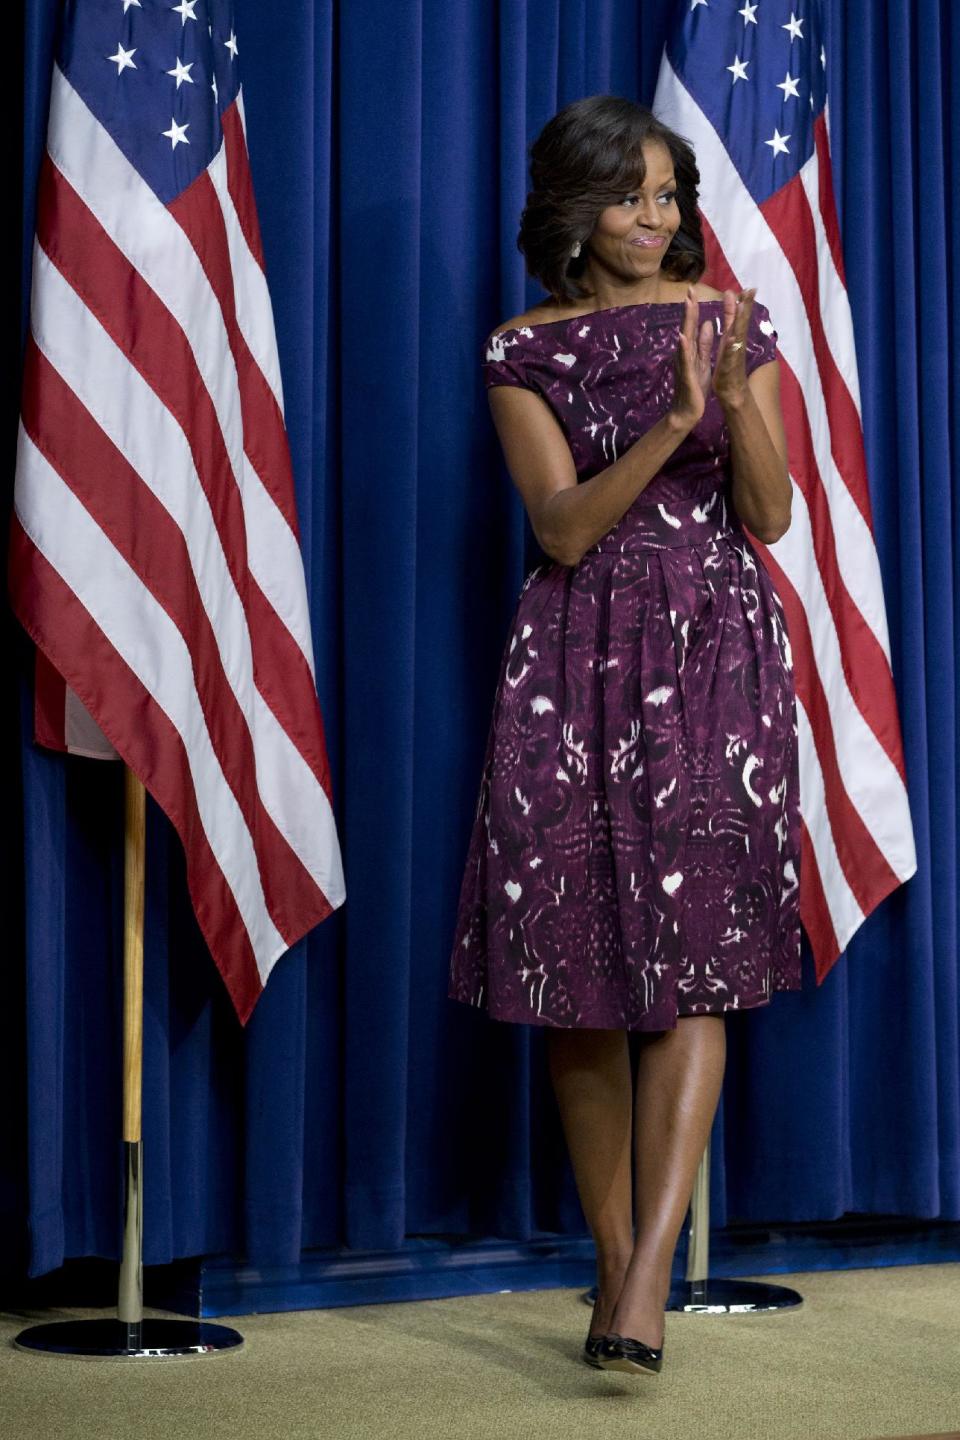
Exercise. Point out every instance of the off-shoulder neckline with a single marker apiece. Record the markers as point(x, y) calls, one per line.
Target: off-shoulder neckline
point(606, 310)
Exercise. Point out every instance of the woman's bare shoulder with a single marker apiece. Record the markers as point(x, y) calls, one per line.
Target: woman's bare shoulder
point(545, 314)
point(534, 316)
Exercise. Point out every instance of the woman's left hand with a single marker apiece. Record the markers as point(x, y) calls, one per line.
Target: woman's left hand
point(730, 364)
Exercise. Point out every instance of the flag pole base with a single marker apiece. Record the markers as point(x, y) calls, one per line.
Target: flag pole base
point(130, 1336)
point(149, 1339)
point(731, 1297)
point(723, 1297)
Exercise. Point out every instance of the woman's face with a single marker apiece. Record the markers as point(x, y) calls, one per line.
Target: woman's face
point(631, 238)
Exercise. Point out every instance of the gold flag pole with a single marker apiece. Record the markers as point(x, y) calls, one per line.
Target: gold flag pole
point(130, 1336)
point(130, 1296)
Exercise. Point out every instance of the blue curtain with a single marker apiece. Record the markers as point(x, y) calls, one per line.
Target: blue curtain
point(361, 1106)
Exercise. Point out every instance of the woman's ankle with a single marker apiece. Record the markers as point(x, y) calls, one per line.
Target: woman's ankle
point(653, 1280)
point(611, 1269)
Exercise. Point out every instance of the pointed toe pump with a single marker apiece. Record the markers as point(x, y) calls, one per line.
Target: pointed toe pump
point(633, 1357)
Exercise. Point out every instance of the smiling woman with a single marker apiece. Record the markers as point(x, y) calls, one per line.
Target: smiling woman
point(634, 860)
point(603, 168)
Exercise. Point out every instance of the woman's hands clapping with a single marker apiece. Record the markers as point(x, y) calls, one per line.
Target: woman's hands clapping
point(699, 370)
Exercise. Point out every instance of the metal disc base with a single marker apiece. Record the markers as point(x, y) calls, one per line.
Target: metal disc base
point(150, 1339)
point(731, 1297)
point(723, 1297)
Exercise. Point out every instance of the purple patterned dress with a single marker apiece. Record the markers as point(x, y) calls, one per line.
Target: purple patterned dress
point(635, 851)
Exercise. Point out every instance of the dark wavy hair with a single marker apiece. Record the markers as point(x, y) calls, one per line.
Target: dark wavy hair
point(589, 156)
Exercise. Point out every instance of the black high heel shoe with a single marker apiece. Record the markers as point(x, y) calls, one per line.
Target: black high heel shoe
point(591, 1350)
point(620, 1352)
point(592, 1344)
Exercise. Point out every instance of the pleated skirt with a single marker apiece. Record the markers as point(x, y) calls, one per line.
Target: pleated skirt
point(635, 848)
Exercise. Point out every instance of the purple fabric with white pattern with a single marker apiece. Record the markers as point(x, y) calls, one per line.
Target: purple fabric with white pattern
point(635, 851)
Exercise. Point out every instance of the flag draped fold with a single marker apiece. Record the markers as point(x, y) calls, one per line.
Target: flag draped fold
point(155, 557)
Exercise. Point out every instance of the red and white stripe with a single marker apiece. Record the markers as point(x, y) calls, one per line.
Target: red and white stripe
point(857, 835)
point(155, 555)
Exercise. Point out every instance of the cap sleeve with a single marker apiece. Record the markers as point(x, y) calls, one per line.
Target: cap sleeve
point(503, 362)
point(761, 338)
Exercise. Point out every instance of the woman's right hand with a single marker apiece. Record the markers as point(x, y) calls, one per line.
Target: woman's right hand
point(694, 367)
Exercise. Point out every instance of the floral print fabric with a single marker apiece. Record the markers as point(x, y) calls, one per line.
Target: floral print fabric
point(635, 847)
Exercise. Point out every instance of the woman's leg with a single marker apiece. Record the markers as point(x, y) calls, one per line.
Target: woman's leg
point(679, 1076)
point(590, 1070)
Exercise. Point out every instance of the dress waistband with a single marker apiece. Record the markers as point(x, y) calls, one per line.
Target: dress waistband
point(669, 525)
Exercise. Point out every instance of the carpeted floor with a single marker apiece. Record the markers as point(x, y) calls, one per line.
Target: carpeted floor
point(871, 1353)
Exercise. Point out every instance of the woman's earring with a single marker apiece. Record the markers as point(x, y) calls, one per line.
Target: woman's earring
point(575, 251)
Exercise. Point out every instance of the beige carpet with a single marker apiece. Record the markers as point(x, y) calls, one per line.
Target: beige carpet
point(871, 1353)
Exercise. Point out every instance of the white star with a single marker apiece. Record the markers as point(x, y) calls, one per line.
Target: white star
point(185, 10)
point(739, 68)
point(176, 134)
point(823, 58)
point(123, 59)
point(789, 85)
point(128, 3)
point(749, 13)
point(779, 147)
point(793, 25)
point(231, 45)
point(695, 3)
point(213, 87)
point(181, 72)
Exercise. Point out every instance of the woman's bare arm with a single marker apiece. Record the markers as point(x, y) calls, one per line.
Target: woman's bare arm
point(761, 492)
point(568, 517)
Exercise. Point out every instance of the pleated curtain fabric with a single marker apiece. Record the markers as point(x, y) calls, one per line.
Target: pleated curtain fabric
point(389, 153)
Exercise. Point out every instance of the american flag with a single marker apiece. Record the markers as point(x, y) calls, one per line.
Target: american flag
point(155, 553)
point(746, 85)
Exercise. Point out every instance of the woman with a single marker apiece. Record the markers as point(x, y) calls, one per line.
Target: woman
point(634, 859)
